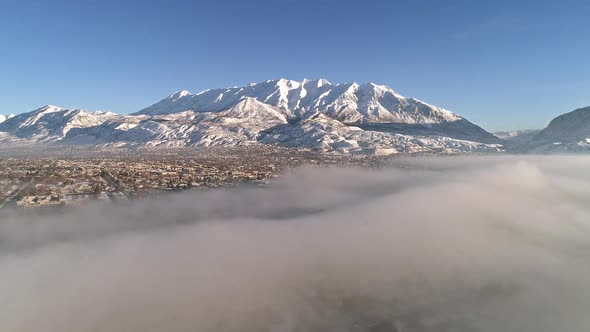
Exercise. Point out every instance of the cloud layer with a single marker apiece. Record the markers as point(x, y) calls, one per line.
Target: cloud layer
point(424, 244)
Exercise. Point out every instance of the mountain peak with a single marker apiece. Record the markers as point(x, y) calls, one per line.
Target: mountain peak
point(318, 83)
point(282, 83)
point(48, 109)
point(49, 106)
point(348, 102)
point(179, 94)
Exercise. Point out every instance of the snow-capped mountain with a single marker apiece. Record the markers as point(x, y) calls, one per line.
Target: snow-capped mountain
point(350, 103)
point(237, 125)
point(346, 118)
point(569, 132)
point(50, 123)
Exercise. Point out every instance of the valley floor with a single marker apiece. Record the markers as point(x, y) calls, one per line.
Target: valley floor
point(61, 177)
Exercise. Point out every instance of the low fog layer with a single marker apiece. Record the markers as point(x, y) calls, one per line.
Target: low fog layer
point(425, 244)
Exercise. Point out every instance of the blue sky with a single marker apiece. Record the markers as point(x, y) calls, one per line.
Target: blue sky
point(501, 64)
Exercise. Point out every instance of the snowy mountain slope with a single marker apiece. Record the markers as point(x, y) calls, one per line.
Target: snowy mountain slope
point(240, 124)
point(237, 125)
point(570, 126)
point(569, 132)
point(370, 106)
point(51, 123)
point(348, 103)
point(5, 117)
point(317, 131)
point(459, 129)
point(323, 133)
point(274, 93)
point(346, 118)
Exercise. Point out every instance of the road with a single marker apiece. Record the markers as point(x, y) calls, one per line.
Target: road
point(11, 200)
point(113, 182)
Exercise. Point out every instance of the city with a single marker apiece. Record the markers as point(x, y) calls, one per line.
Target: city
point(54, 179)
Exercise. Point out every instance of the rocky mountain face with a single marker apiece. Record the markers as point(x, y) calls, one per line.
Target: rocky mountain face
point(567, 133)
point(345, 118)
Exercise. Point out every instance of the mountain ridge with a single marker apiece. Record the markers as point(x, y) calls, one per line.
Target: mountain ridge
point(566, 133)
point(347, 102)
point(315, 114)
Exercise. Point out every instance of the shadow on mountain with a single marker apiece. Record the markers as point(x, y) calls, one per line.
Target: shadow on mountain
point(461, 129)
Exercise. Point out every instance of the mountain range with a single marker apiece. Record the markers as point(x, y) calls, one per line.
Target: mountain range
point(315, 114)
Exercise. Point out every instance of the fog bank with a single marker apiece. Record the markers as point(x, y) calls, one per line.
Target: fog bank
point(424, 244)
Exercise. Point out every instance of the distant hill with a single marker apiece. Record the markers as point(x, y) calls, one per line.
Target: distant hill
point(567, 133)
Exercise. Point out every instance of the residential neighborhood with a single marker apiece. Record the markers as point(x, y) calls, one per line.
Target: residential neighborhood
point(64, 181)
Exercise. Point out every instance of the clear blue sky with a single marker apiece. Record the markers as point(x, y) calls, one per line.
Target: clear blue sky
point(501, 64)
